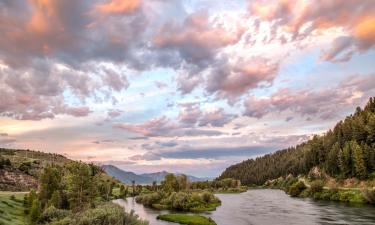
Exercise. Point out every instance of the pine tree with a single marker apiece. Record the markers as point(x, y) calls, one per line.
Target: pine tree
point(345, 160)
point(358, 161)
point(332, 161)
point(80, 184)
point(50, 180)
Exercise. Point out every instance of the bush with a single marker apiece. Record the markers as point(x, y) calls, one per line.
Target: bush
point(296, 189)
point(207, 196)
point(316, 186)
point(108, 214)
point(180, 201)
point(369, 196)
point(149, 199)
point(51, 214)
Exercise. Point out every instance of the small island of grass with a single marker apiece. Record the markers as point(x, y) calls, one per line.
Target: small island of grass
point(187, 219)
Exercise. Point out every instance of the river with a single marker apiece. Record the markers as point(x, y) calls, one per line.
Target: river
point(271, 207)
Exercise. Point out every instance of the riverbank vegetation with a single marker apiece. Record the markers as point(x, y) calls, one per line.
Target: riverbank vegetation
point(321, 189)
point(342, 154)
point(228, 185)
point(187, 219)
point(175, 194)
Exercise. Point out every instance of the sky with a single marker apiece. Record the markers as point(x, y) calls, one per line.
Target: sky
point(188, 86)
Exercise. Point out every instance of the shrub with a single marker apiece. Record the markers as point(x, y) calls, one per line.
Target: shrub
point(180, 201)
point(207, 196)
point(108, 214)
point(316, 186)
point(369, 196)
point(149, 199)
point(51, 214)
point(296, 189)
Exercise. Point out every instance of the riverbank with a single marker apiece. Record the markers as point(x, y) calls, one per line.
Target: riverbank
point(324, 189)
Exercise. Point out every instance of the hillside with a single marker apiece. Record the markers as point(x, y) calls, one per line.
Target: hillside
point(126, 177)
point(145, 178)
point(346, 151)
point(19, 169)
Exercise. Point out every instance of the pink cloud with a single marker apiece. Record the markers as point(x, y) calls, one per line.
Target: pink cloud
point(322, 103)
point(119, 6)
point(355, 17)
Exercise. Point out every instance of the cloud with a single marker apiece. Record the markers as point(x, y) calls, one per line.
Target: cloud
point(160, 85)
point(114, 80)
point(303, 19)
point(322, 103)
point(78, 111)
point(119, 6)
point(164, 127)
point(216, 152)
point(230, 81)
point(215, 118)
point(149, 156)
point(189, 114)
point(113, 113)
point(196, 40)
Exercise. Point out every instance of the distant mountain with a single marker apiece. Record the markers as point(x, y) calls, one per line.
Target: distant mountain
point(145, 178)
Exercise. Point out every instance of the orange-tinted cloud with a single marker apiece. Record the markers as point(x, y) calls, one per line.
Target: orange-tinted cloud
point(302, 17)
point(119, 6)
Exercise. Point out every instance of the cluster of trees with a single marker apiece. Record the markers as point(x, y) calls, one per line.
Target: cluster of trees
point(223, 184)
point(175, 192)
point(346, 151)
point(67, 190)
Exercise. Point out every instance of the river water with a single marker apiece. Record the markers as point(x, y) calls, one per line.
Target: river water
point(271, 207)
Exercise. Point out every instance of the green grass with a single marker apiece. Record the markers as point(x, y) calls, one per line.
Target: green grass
point(187, 219)
point(12, 210)
point(208, 207)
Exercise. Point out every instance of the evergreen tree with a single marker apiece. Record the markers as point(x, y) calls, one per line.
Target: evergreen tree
point(50, 180)
point(358, 161)
point(81, 186)
point(331, 165)
point(35, 211)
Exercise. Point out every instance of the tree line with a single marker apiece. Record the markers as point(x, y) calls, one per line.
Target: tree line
point(347, 150)
point(68, 192)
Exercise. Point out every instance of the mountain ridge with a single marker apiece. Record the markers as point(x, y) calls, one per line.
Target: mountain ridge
point(145, 178)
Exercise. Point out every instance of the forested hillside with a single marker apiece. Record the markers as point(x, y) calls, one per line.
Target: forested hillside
point(348, 150)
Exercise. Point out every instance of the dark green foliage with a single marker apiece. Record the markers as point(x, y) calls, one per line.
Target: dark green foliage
point(181, 201)
point(50, 181)
point(81, 184)
point(316, 186)
point(51, 214)
point(4, 162)
point(296, 189)
point(105, 214)
point(35, 211)
point(346, 151)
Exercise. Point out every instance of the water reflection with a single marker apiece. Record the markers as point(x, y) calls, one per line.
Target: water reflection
point(271, 207)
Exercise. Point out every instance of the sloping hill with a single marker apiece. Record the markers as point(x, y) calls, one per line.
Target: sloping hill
point(126, 177)
point(19, 169)
point(347, 151)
